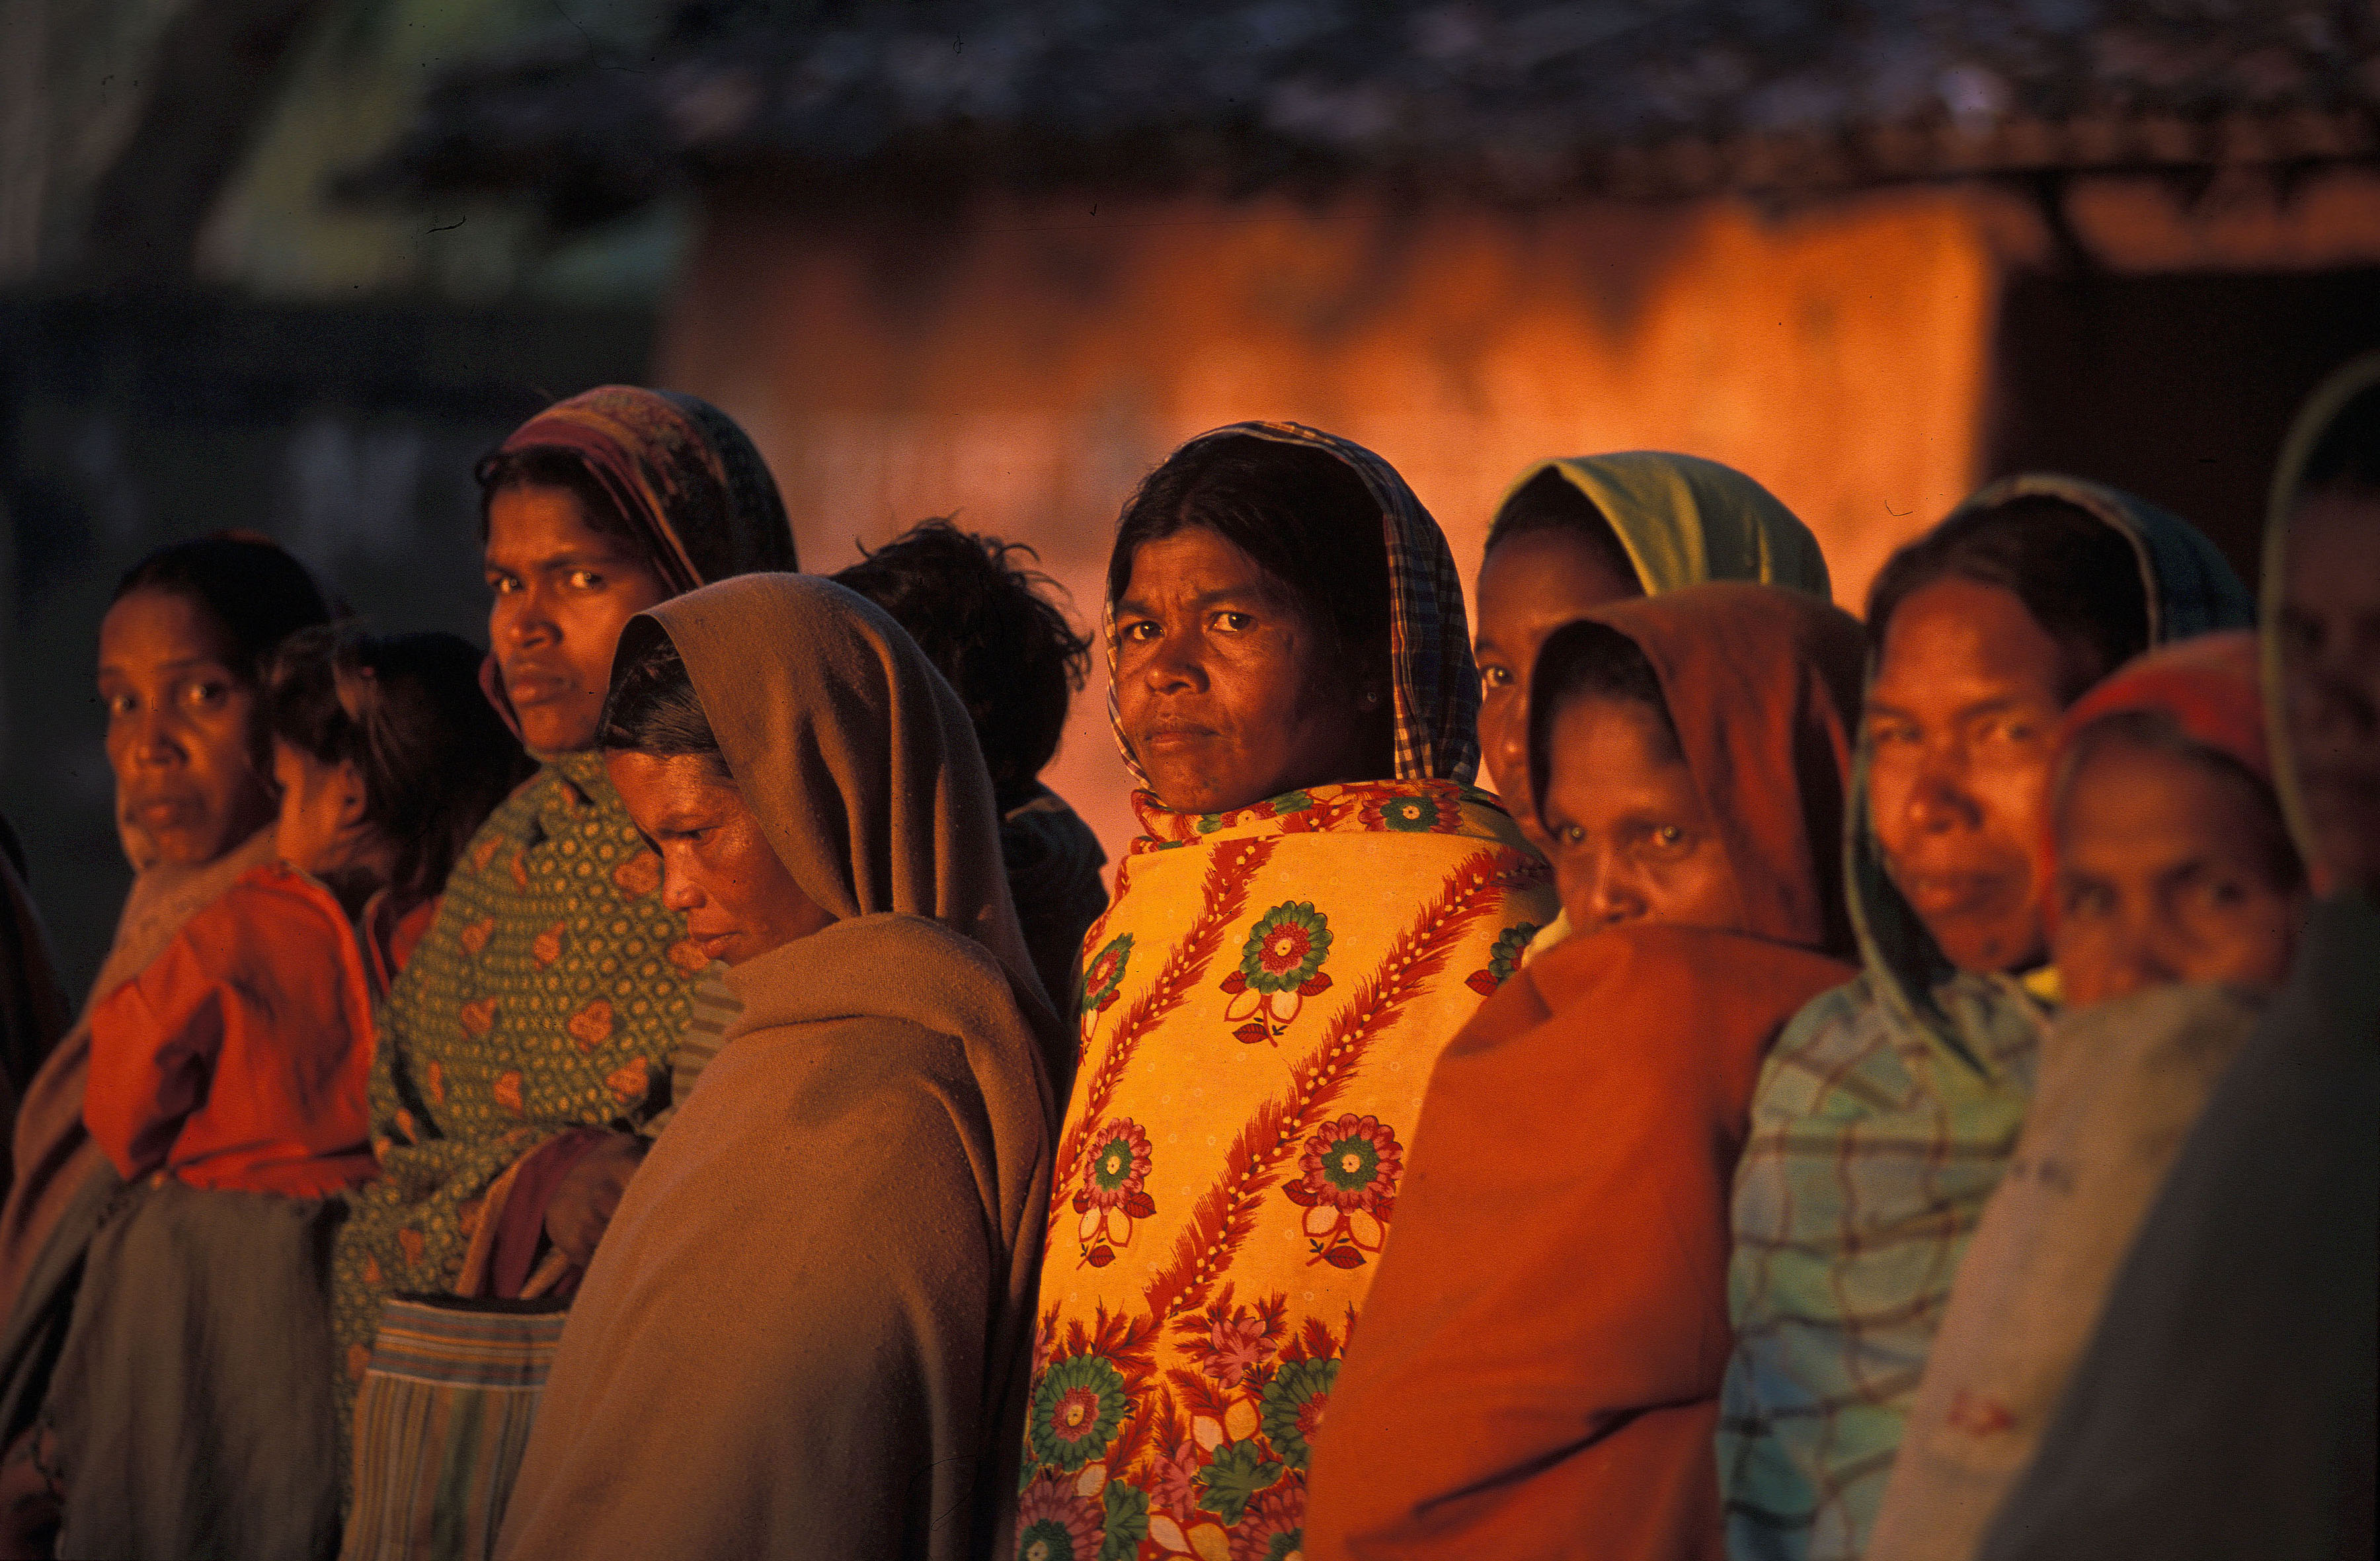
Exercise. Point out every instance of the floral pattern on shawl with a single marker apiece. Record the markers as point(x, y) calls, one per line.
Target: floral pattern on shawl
point(548, 995)
point(1215, 1222)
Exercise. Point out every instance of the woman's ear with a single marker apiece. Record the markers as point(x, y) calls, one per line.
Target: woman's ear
point(353, 796)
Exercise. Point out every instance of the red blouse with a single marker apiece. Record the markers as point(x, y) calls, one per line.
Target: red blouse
point(239, 1057)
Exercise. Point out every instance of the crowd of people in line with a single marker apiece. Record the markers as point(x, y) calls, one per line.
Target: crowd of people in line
point(678, 1084)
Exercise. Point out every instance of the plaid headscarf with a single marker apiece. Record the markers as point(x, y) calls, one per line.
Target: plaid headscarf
point(1437, 705)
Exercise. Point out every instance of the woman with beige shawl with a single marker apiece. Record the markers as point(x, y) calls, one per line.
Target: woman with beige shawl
point(806, 1332)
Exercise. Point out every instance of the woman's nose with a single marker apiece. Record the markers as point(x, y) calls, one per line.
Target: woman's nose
point(1614, 897)
point(154, 742)
point(678, 892)
point(1504, 738)
point(1939, 801)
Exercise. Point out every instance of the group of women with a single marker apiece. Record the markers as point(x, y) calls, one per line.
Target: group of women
point(1897, 1089)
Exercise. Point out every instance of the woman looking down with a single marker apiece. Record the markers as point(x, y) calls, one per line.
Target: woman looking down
point(805, 1333)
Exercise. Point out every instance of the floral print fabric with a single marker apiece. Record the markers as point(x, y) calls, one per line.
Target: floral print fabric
point(548, 995)
point(1260, 1009)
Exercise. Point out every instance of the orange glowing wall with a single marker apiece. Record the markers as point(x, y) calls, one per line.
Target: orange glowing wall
point(1024, 366)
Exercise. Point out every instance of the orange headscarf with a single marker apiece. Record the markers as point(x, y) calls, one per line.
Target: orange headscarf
point(2210, 688)
point(1538, 1366)
point(1763, 688)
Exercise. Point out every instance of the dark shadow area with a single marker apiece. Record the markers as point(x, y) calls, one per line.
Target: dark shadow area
point(2178, 388)
point(346, 433)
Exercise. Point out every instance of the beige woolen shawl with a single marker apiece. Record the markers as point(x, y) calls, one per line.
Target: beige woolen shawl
point(806, 1331)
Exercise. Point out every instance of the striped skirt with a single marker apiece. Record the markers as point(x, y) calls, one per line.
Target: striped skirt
point(442, 1421)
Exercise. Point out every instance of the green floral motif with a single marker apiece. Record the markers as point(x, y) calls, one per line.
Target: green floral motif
point(1411, 815)
point(1284, 1545)
point(1105, 973)
point(1286, 947)
point(1076, 1413)
point(1293, 1407)
point(1238, 1472)
point(1128, 1521)
point(1290, 802)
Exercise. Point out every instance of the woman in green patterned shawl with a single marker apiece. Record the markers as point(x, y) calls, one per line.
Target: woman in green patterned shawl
point(528, 1040)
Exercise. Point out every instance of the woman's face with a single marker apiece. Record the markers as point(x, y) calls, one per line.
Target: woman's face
point(1959, 720)
point(1631, 838)
point(2166, 873)
point(1531, 585)
point(564, 592)
point(183, 732)
point(1227, 694)
point(2330, 660)
point(717, 865)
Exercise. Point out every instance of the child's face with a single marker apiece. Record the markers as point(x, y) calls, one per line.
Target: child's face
point(1631, 841)
point(322, 810)
point(2166, 873)
point(1530, 586)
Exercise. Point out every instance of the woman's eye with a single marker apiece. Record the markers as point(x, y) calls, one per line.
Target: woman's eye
point(205, 695)
point(1571, 835)
point(584, 580)
point(503, 585)
point(1667, 839)
point(1137, 633)
point(121, 705)
point(1234, 622)
point(1494, 676)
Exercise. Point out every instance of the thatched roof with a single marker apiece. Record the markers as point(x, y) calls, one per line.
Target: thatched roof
point(1503, 99)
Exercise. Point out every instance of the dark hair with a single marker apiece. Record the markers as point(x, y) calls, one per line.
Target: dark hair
point(254, 590)
point(652, 707)
point(2157, 732)
point(1551, 502)
point(2078, 575)
point(1304, 514)
point(1585, 660)
point(2348, 453)
point(407, 712)
point(551, 465)
point(988, 628)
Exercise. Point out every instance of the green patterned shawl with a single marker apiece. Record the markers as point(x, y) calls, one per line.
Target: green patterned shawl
point(554, 986)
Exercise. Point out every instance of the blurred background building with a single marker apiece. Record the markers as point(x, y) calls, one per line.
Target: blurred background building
point(291, 263)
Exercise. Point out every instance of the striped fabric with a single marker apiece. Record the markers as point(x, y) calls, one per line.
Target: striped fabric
point(1437, 705)
point(442, 1421)
point(715, 1007)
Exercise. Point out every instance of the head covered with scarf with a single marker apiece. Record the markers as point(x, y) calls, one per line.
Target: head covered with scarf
point(541, 1010)
point(1260, 1006)
point(1434, 685)
point(1884, 1117)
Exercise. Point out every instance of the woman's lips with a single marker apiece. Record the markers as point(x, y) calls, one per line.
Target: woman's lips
point(163, 813)
point(714, 946)
point(1953, 894)
point(1163, 738)
point(532, 687)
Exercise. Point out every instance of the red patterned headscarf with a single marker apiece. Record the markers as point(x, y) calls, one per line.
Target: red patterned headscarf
point(685, 476)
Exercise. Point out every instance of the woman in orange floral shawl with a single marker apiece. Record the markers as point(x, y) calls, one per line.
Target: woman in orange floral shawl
point(1539, 1371)
point(1317, 902)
